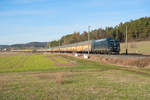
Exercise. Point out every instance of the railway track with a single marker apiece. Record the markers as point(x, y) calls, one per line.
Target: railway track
point(105, 55)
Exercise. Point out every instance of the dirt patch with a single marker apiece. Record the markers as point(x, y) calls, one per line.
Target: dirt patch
point(59, 63)
point(46, 76)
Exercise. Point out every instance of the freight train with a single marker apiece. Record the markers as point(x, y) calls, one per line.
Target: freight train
point(102, 46)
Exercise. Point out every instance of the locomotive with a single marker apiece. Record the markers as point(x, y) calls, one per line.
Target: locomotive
point(102, 46)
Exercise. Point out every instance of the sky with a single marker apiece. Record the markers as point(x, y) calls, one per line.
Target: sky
point(23, 21)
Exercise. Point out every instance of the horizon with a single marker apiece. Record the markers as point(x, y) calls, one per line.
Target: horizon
point(46, 20)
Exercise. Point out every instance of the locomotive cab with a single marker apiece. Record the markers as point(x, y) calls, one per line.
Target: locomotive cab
point(115, 46)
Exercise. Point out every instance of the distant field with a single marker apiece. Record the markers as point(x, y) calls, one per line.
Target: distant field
point(61, 77)
point(142, 47)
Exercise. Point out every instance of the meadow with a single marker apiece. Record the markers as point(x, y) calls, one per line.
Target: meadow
point(62, 77)
point(141, 47)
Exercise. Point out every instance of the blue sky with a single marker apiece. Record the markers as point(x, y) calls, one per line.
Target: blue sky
point(24, 21)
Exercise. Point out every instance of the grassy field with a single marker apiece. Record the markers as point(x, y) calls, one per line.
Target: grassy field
point(142, 47)
point(60, 77)
point(40, 62)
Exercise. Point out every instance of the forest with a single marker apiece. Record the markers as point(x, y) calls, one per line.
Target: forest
point(138, 30)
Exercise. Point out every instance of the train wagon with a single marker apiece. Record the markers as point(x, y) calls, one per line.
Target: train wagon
point(94, 46)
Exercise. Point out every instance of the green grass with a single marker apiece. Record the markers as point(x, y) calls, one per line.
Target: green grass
point(25, 63)
point(34, 62)
point(34, 77)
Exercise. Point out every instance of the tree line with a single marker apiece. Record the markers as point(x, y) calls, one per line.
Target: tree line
point(138, 30)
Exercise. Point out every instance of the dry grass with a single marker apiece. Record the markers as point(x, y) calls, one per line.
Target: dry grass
point(141, 47)
point(110, 85)
point(136, 62)
point(59, 78)
point(6, 54)
point(61, 61)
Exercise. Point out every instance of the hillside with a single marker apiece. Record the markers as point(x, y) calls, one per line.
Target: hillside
point(140, 47)
point(138, 30)
point(4, 46)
